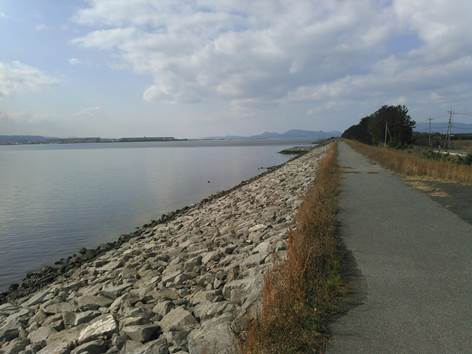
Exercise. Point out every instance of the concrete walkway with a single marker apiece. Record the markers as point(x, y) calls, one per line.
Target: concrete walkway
point(412, 267)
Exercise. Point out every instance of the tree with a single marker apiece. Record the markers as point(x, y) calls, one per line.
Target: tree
point(359, 132)
point(371, 129)
point(399, 125)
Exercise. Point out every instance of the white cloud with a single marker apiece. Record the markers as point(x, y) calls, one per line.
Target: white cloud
point(88, 112)
point(3, 14)
point(74, 61)
point(329, 53)
point(16, 77)
point(41, 27)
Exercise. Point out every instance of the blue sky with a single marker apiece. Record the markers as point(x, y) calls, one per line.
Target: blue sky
point(207, 67)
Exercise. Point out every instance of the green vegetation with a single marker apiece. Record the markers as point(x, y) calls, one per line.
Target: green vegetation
point(390, 123)
point(296, 150)
point(300, 293)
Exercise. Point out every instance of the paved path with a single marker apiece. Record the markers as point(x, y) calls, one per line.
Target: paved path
point(413, 283)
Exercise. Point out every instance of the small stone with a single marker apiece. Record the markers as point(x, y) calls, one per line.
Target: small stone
point(230, 249)
point(181, 278)
point(217, 283)
point(257, 227)
point(210, 256)
point(193, 262)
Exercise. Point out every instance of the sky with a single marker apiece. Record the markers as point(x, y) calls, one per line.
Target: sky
point(194, 68)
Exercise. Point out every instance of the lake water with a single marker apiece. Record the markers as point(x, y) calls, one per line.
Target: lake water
point(55, 199)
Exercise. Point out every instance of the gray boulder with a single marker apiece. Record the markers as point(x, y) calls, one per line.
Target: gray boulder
point(91, 302)
point(178, 318)
point(93, 347)
point(103, 326)
point(142, 333)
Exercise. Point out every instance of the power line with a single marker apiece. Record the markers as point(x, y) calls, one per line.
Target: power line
point(449, 129)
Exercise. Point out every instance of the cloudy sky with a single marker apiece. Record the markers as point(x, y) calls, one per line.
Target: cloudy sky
point(195, 68)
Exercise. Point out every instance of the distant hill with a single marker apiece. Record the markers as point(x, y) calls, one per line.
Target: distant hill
point(294, 134)
point(441, 127)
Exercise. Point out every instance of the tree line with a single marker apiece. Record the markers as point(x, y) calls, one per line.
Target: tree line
point(390, 124)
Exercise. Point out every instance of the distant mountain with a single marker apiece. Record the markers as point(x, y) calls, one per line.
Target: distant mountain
point(441, 127)
point(294, 134)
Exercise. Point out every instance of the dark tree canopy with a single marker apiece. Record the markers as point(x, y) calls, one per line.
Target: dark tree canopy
point(371, 129)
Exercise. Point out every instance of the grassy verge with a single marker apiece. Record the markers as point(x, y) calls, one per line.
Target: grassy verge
point(300, 293)
point(414, 164)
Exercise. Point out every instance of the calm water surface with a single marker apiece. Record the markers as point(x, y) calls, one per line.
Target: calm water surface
point(55, 199)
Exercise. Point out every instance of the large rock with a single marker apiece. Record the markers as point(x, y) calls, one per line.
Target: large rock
point(41, 334)
point(93, 347)
point(7, 309)
point(9, 330)
point(162, 308)
point(215, 337)
point(85, 317)
point(102, 326)
point(178, 318)
point(113, 291)
point(16, 346)
point(61, 342)
point(91, 302)
point(39, 297)
point(158, 346)
point(58, 308)
point(142, 333)
point(207, 309)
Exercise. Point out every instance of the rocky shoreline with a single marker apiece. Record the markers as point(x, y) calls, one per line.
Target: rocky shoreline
point(186, 283)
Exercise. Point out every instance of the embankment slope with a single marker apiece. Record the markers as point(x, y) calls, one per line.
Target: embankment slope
point(183, 286)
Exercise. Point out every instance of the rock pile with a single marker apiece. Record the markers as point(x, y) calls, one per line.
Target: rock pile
point(184, 286)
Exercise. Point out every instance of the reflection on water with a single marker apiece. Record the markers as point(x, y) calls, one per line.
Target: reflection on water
point(55, 199)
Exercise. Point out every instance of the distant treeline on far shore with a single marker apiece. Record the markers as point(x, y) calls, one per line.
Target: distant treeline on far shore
point(33, 139)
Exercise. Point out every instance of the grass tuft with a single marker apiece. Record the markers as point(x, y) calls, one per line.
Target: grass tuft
point(300, 293)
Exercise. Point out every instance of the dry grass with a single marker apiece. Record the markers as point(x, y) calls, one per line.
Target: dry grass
point(299, 294)
point(431, 190)
point(414, 164)
point(462, 145)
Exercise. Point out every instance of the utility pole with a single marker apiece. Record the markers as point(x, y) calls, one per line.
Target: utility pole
point(429, 137)
point(449, 129)
point(386, 130)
